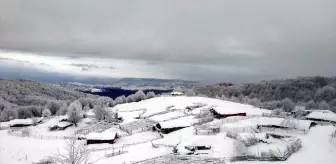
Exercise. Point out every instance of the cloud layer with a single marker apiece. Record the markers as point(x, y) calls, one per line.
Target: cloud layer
point(215, 40)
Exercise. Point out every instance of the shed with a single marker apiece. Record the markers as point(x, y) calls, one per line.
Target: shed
point(322, 115)
point(23, 122)
point(174, 125)
point(100, 138)
point(60, 126)
point(219, 114)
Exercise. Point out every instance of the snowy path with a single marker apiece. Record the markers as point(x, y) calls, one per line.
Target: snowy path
point(316, 148)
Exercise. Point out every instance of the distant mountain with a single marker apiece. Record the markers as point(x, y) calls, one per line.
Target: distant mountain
point(136, 84)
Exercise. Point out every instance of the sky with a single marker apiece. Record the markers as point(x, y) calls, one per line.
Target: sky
point(213, 41)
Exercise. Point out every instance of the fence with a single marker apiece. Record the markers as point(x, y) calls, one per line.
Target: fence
point(293, 146)
point(40, 136)
point(181, 159)
point(125, 145)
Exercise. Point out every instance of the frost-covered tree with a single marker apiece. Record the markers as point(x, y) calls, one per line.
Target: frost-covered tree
point(332, 103)
point(150, 95)
point(53, 106)
point(324, 106)
point(75, 112)
point(326, 93)
point(119, 100)
point(255, 102)
point(8, 114)
point(46, 113)
point(101, 113)
point(24, 113)
point(277, 112)
point(287, 105)
point(239, 148)
point(105, 101)
point(63, 110)
point(190, 93)
point(311, 105)
point(139, 95)
point(234, 99)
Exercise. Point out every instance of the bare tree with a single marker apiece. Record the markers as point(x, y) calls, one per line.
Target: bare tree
point(76, 153)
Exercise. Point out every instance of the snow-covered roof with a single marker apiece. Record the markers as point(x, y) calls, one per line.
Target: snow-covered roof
point(21, 122)
point(181, 122)
point(225, 111)
point(65, 117)
point(63, 124)
point(273, 121)
point(106, 135)
point(322, 115)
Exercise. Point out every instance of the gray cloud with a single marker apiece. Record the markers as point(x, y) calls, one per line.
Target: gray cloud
point(90, 66)
point(19, 61)
point(229, 39)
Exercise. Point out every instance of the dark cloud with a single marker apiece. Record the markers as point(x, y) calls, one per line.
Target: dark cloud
point(85, 69)
point(229, 39)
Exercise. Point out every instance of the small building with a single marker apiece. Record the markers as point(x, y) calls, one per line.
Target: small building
point(322, 115)
point(174, 125)
point(60, 126)
point(176, 93)
point(167, 129)
point(220, 114)
point(101, 138)
point(23, 122)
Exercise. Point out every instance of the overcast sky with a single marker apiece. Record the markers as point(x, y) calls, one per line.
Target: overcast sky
point(206, 40)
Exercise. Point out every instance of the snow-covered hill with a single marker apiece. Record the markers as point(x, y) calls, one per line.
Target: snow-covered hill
point(188, 118)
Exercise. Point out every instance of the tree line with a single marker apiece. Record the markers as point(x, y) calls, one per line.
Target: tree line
point(309, 92)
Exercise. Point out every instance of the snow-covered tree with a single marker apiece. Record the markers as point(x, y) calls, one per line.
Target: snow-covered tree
point(24, 113)
point(287, 105)
point(8, 114)
point(139, 95)
point(86, 107)
point(255, 102)
point(53, 106)
point(46, 113)
point(311, 105)
point(75, 112)
point(150, 94)
point(120, 100)
point(75, 153)
point(324, 106)
point(277, 112)
point(101, 113)
point(326, 93)
point(190, 93)
point(63, 110)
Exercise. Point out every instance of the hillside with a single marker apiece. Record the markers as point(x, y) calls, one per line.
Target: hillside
point(301, 90)
point(192, 127)
point(26, 92)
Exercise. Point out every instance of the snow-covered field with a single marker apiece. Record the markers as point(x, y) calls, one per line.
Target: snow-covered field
point(317, 147)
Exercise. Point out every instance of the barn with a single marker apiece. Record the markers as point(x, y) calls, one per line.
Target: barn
point(174, 125)
point(322, 116)
point(101, 138)
point(166, 129)
point(220, 114)
point(60, 126)
point(23, 122)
